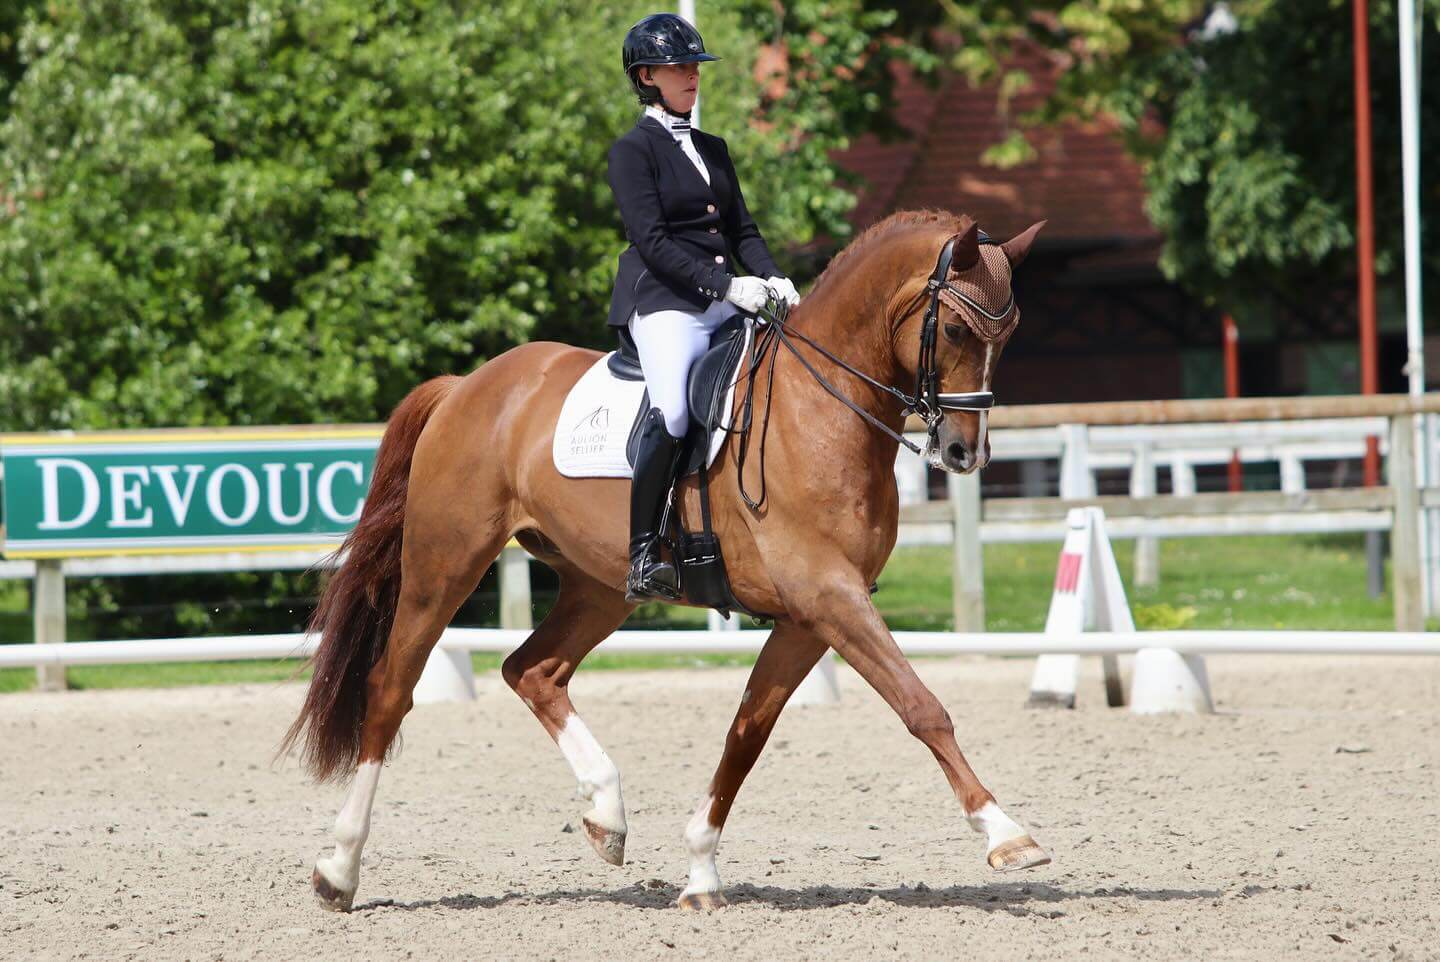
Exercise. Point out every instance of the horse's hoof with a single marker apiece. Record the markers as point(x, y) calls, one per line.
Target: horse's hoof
point(330, 897)
point(608, 845)
point(1016, 854)
point(701, 901)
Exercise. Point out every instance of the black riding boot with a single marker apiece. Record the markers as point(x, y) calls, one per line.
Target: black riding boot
point(656, 459)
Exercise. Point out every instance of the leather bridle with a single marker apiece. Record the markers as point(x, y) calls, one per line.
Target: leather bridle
point(928, 402)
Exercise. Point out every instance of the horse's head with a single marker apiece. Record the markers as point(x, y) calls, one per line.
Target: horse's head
point(977, 314)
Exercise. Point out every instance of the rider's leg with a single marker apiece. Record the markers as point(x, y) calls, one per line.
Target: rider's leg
point(656, 455)
point(668, 342)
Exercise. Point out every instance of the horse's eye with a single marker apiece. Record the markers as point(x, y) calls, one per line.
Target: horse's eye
point(954, 332)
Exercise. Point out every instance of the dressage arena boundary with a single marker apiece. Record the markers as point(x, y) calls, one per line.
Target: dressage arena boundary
point(1157, 427)
point(457, 643)
point(748, 641)
point(1089, 615)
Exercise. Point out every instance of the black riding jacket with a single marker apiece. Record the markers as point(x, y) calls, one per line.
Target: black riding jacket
point(686, 236)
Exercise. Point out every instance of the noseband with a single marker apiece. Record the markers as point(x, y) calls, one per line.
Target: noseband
point(927, 402)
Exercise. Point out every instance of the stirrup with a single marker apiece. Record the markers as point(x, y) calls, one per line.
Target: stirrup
point(640, 582)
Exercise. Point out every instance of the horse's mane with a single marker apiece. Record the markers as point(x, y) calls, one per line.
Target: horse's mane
point(880, 230)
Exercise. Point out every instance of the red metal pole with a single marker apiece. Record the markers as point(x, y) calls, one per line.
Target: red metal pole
point(1232, 390)
point(1365, 228)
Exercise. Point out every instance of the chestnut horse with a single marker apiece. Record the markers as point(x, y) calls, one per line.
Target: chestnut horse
point(465, 465)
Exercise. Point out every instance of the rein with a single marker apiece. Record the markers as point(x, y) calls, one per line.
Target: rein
point(927, 401)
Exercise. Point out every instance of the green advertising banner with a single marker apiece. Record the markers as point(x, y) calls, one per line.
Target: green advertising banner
point(171, 492)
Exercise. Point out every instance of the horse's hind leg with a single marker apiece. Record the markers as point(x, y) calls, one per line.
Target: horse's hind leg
point(441, 566)
point(539, 671)
point(787, 657)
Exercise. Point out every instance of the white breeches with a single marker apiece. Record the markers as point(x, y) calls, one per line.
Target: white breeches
point(668, 343)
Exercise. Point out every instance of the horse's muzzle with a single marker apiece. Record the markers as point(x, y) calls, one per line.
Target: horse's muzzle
point(956, 456)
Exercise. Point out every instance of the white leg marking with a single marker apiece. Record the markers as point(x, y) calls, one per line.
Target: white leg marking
point(995, 825)
point(598, 777)
point(352, 827)
point(702, 839)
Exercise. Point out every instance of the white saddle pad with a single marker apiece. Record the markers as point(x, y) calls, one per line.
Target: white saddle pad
point(596, 419)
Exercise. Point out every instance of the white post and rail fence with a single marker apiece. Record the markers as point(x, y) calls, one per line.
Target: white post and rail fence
point(149, 502)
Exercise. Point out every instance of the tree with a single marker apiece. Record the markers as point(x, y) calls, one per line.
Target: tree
point(291, 211)
point(1246, 133)
point(262, 211)
point(12, 17)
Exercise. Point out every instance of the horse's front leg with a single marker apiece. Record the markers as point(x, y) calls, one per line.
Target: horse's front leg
point(786, 658)
point(839, 612)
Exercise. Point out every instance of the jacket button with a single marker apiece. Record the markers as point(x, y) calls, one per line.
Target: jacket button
point(719, 258)
point(709, 208)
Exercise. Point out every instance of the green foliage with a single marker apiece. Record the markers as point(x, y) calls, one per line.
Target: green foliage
point(1254, 180)
point(12, 17)
point(268, 211)
point(1247, 137)
point(1163, 616)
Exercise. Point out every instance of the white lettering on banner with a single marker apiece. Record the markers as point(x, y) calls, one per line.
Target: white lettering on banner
point(126, 482)
point(274, 495)
point(325, 495)
point(178, 500)
point(252, 495)
point(50, 493)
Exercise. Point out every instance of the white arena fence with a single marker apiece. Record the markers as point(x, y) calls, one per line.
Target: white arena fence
point(1143, 434)
point(748, 642)
point(1084, 438)
point(1168, 668)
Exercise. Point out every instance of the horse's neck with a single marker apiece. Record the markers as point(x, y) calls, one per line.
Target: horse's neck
point(850, 318)
point(853, 315)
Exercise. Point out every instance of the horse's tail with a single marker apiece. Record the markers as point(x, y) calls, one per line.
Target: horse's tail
point(358, 603)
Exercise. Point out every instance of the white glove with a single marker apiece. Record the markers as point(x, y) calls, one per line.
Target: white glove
point(748, 293)
point(784, 290)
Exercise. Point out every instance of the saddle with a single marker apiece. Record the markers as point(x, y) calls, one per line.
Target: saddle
point(598, 432)
point(710, 389)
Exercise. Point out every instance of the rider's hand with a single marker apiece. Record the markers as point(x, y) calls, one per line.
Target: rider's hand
point(748, 293)
point(784, 290)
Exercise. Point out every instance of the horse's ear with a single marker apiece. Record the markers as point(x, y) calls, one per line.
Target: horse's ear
point(967, 248)
point(1017, 247)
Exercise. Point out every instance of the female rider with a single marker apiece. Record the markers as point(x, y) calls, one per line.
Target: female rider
point(686, 221)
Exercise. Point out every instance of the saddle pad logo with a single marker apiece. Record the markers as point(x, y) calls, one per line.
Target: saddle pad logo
point(588, 434)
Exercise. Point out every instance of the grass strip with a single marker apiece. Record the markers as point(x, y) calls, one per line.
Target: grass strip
point(1296, 582)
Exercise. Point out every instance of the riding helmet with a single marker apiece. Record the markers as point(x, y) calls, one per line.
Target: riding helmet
point(660, 38)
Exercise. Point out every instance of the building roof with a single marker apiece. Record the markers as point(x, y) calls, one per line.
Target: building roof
point(1083, 182)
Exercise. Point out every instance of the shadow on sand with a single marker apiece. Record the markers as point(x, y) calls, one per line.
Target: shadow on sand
point(1017, 898)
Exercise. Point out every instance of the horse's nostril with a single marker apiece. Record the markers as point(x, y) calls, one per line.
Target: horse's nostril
point(957, 452)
